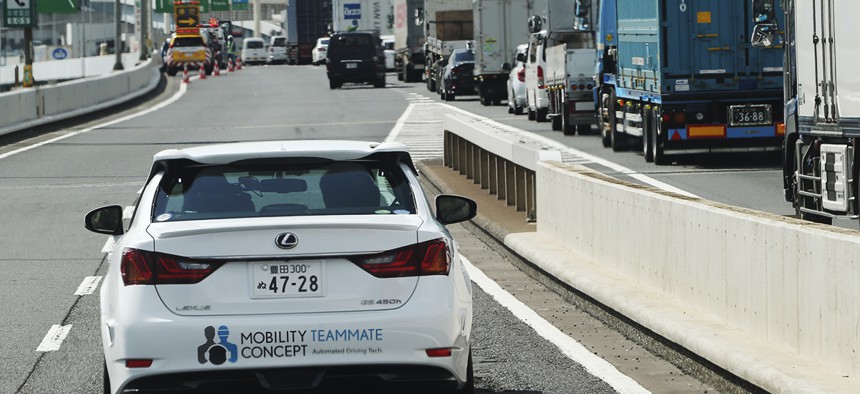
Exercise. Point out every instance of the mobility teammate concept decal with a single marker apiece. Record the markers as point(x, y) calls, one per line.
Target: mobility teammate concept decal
point(286, 344)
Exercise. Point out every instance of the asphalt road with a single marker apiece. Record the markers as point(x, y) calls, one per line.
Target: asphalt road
point(49, 179)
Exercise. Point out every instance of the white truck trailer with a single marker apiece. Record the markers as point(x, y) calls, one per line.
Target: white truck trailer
point(448, 25)
point(409, 39)
point(500, 26)
point(569, 79)
point(352, 15)
point(569, 73)
point(822, 114)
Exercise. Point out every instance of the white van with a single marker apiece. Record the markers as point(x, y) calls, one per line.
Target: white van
point(254, 50)
point(536, 95)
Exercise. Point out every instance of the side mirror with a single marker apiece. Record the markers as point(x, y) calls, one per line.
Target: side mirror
point(454, 209)
point(506, 66)
point(764, 35)
point(105, 220)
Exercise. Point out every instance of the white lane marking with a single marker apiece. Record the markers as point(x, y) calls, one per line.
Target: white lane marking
point(108, 246)
point(594, 159)
point(54, 338)
point(88, 286)
point(400, 122)
point(165, 103)
point(568, 346)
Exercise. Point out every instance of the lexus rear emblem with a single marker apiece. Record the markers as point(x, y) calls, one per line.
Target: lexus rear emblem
point(286, 240)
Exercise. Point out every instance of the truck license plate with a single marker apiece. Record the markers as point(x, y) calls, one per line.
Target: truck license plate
point(750, 115)
point(273, 279)
point(351, 65)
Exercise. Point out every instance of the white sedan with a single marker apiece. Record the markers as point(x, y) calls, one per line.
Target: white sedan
point(283, 265)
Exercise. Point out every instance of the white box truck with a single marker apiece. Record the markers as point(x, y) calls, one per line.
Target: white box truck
point(448, 25)
point(353, 15)
point(500, 25)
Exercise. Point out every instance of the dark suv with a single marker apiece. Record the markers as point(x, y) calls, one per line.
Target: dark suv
point(355, 57)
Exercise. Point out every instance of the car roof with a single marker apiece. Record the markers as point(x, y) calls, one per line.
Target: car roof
point(325, 149)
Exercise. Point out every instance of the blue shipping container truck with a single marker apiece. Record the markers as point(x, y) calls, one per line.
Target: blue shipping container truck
point(680, 77)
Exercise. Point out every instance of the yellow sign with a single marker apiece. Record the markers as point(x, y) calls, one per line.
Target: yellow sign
point(28, 76)
point(187, 17)
point(703, 17)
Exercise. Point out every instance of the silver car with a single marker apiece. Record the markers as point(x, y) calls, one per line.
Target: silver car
point(517, 82)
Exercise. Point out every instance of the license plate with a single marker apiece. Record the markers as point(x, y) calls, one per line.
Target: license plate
point(351, 65)
point(749, 115)
point(287, 279)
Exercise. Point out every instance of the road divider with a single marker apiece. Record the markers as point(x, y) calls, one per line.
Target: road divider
point(737, 287)
point(25, 108)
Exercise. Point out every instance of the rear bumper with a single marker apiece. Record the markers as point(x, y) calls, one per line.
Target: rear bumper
point(389, 345)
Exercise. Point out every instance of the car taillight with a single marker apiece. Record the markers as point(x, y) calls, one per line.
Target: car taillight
point(540, 77)
point(140, 267)
point(521, 75)
point(427, 258)
point(321, 50)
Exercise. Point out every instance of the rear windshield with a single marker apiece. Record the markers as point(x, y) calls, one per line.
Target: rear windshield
point(253, 44)
point(188, 41)
point(464, 57)
point(352, 45)
point(280, 42)
point(297, 189)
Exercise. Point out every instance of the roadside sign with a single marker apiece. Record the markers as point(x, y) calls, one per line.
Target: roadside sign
point(187, 17)
point(19, 13)
point(60, 53)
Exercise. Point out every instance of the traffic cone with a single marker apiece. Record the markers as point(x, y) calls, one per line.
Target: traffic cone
point(185, 74)
point(238, 63)
point(202, 70)
point(217, 71)
point(230, 64)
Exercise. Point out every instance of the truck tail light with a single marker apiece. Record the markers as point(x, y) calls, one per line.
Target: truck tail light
point(427, 258)
point(140, 267)
point(521, 75)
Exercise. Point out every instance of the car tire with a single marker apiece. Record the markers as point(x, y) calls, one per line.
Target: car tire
point(532, 114)
point(171, 71)
point(105, 379)
point(332, 84)
point(518, 110)
point(380, 83)
point(449, 97)
point(541, 114)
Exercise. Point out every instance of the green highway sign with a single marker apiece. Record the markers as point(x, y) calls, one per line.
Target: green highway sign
point(19, 13)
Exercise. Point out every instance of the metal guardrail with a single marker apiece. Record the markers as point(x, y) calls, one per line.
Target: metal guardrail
point(499, 162)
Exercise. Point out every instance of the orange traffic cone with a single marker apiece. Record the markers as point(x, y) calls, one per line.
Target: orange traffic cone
point(185, 74)
point(230, 64)
point(238, 63)
point(202, 70)
point(217, 71)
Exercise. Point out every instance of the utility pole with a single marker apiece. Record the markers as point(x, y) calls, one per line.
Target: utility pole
point(117, 20)
point(144, 29)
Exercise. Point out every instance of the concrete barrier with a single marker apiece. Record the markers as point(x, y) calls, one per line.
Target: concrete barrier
point(771, 299)
point(498, 161)
point(25, 108)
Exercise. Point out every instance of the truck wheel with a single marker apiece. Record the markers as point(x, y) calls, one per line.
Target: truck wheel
point(431, 85)
point(657, 153)
point(532, 114)
point(556, 122)
point(647, 136)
